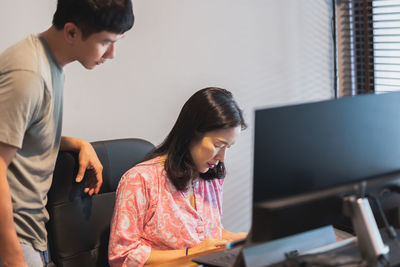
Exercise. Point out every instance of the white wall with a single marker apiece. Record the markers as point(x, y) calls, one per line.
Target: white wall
point(267, 52)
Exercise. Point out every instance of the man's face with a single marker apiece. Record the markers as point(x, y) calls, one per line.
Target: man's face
point(96, 48)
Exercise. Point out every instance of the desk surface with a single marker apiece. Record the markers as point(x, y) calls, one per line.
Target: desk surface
point(187, 261)
point(184, 261)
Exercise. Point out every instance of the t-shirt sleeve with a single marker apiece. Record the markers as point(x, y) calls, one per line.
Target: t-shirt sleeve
point(20, 93)
point(132, 208)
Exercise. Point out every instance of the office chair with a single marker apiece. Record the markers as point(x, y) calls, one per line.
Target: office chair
point(79, 226)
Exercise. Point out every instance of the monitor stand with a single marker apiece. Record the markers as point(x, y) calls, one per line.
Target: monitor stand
point(369, 240)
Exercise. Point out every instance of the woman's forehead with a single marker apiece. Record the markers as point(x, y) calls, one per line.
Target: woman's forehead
point(226, 135)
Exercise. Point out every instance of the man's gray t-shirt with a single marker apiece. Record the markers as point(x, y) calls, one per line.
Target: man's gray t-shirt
point(31, 100)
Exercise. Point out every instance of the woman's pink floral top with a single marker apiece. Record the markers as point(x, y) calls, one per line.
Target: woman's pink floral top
point(151, 213)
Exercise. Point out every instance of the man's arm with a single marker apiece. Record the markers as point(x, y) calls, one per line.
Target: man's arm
point(88, 161)
point(10, 248)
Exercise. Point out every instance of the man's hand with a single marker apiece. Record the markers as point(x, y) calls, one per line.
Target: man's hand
point(88, 162)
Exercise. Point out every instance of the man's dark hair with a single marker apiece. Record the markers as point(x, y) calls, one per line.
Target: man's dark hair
point(93, 16)
point(209, 109)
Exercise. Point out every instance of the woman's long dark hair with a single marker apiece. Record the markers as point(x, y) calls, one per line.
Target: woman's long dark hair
point(208, 109)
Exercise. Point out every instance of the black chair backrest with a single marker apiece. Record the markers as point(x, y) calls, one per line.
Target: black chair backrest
point(79, 225)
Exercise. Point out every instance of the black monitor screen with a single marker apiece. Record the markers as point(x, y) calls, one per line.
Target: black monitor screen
point(306, 148)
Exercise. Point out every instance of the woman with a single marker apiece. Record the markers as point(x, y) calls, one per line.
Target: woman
point(170, 205)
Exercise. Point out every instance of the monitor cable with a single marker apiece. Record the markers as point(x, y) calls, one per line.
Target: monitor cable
point(391, 232)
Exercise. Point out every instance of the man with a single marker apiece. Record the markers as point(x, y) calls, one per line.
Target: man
point(31, 98)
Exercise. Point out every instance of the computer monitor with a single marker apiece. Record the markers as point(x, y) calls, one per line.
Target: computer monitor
point(308, 157)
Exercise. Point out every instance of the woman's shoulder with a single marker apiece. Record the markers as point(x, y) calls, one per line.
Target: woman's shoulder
point(146, 171)
point(141, 182)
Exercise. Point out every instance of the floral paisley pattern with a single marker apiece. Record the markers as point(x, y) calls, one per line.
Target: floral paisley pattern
point(150, 213)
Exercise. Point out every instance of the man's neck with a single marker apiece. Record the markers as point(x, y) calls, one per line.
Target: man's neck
point(58, 46)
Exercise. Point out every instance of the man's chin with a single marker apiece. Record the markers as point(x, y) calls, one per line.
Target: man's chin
point(89, 67)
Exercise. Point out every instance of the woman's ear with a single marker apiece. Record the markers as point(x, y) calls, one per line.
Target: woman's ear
point(71, 33)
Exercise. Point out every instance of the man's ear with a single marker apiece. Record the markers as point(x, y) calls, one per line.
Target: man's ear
point(71, 33)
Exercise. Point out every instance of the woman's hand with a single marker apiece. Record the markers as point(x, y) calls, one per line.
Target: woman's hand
point(208, 244)
point(230, 237)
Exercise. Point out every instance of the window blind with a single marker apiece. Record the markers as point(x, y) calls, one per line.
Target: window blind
point(369, 46)
point(355, 47)
point(386, 41)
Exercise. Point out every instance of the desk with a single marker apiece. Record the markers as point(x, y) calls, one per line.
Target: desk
point(184, 261)
point(349, 251)
point(187, 261)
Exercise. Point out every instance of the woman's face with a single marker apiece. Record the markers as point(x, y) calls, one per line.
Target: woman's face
point(210, 150)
